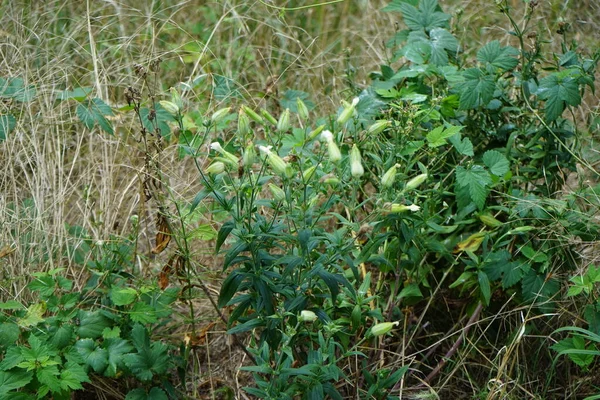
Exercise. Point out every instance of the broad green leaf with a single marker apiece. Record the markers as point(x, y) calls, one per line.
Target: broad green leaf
point(11, 380)
point(9, 334)
point(14, 88)
point(426, 17)
point(143, 313)
point(93, 112)
point(92, 323)
point(7, 125)
point(94, 356)
point(492, 54)
point(35, 315)
point(411, 290)
point(148, 361)
point(62, 337)
point(496, 162)
point(50, 377)
point(289, 100)
point(559, 90)
point(575, 348)
point(464, 146)
point(225, 88)
point(438, 136)
point(498, 266)
point(476, 180)
point(72, 376)
point(432, 47)
point(116, 349)
point(540, 288)
point(140, 394)
point(123, 296)
point(79, 94)
point(45, 285)
point(160, 120)
point(592, 317)
point(11, 305)
point(477, 89)
point(394, 5)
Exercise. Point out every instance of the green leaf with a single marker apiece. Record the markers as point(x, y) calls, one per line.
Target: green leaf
point(92, 323)
point(575, 348)
point(123, 296)
point(154, 394)
point(62, 337)
point(432, 47)
point(79, 94)
point(224, 232)
point(7, 125)
point(49, 376)
point(425, 18)
point(94, 111)
point(11, 380)
point(229, 287)
point(161, 120)
point(9, 333)
point(45, 285)
point(438, 136)
point(477, 89)
point(149, 359)
point(246, 326)
point(34, 315)
point(94, 356)
point(411, 290)
point(498, 266)
point(143, 313)
point(484, 287)
point(494, 55)
point(14, 88)
point(289, 100)
point(496, 162)
point(476, 180)
point(559, 90)
point(116, 349)
point(464, 146)
point(539, 288)
point(72, 376)
point(11, 305)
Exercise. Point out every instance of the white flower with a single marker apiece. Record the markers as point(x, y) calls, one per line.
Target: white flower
point(327, 136)
point(216, 146)
point(355, 101)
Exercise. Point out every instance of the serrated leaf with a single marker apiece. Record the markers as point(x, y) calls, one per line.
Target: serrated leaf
point(143, 313)
point(492, 54)
point(140, 394)
point(432, 47)
point(92, 323)
point(11, 305)
point(476, 180)
point(149, 359)
point(438, 136)
point(72, 376)
point(464, 146)
point(539, 287)
point(559, 90)
point(496, 162)
point(94, 111)
point(426, 17)
point(477, 89)
point(13, 380)
point(123, 296)
point(94, 356)
point(34, 315)
point(7, 125)
point(116, 348)
point(79, 94)
point(9, 333)
point(49, 376)
point(160, 120)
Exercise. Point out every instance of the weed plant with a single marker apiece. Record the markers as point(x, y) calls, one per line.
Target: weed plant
point(415, 239)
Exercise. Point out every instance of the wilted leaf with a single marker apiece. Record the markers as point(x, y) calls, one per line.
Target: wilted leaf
point(163, 234)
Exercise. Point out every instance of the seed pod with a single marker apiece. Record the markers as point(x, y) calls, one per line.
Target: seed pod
point(232, 159)
point(243, 124)
point(348, 112)
point(378, 127)
point(309, 172)
point(249, 155)
point(284, 121)
point(279, 166)
point(253, 115)
point(416, 182)
point(176, 98)
point(383, 328)
point(356, 168)
point(390, 176)
point(302, 109)
point(215, 168)
point(170, 107)
point(399, 208)
point(219, 115)
point(316, 132)
point(268, 116)
point(307, 316)
point(277, 192)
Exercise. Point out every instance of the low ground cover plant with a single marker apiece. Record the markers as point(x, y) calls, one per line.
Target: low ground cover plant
point(359, 250)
